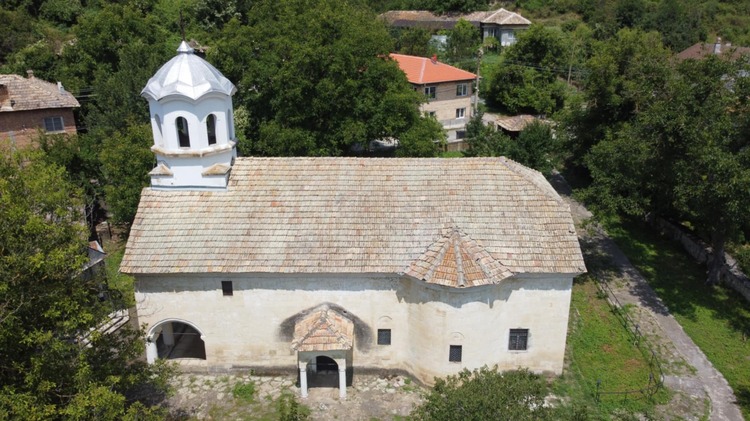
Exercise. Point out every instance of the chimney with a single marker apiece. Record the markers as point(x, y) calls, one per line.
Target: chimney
point(717, 46)
point(60, 87)
point(30, 73)
point(434, 59)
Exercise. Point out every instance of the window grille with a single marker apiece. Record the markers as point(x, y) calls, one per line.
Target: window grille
point(454, 355)
point(519, 339)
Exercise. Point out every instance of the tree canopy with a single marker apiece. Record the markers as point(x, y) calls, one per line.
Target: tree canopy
point(48, 309)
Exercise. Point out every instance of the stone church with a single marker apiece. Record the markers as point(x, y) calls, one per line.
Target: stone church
point(338, 266)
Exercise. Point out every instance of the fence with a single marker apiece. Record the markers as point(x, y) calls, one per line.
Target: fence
point(656, 374)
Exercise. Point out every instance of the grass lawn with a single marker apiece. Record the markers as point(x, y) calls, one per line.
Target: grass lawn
point(717, 319)
point(600, 348)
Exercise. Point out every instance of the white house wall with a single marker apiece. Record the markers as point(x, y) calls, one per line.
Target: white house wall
point(252, 327)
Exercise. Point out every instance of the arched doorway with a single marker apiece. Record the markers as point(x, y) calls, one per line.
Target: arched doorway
point(175, 339)
point(323, 371)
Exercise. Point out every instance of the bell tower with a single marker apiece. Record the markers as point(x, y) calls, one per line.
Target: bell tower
point(190, 103)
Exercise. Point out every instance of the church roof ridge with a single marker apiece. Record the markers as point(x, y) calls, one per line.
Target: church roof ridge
point(354, 215)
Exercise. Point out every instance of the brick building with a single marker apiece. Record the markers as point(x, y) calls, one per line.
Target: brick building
point(29, 105)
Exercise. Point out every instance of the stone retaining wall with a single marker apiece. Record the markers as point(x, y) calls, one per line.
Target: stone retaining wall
point(700, 251)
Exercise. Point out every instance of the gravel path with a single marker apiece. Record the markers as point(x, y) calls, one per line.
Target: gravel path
point(689, 372)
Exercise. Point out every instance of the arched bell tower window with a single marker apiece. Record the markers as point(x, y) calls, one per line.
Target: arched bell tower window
point(211, 129)
point(182, 132)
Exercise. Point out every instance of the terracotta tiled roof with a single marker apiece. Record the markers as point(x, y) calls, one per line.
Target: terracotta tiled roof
point(358, 215)
point(515, 123)
point(25, 94)
point(421, 70)
point(323, 329)
point(702, 50)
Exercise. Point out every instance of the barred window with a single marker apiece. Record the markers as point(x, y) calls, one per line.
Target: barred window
point(519, 339)
point(454, 354)
point(384, 336)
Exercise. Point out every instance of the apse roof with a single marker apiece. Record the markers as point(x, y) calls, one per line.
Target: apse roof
point(187, 75)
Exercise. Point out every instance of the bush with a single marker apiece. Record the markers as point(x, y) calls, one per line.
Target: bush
point(244, 392)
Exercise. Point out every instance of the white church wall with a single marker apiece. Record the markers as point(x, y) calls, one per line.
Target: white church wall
point(251, 328)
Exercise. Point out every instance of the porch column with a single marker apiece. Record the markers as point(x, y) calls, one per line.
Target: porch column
point(303, 379)
point(167, 334)
point(151, 352)
point(342, 381)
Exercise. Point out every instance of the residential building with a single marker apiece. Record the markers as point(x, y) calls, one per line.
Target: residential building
point(337, 266)
point(501, 24)
point(449, 92)
point(703, 49)
point(31, 105)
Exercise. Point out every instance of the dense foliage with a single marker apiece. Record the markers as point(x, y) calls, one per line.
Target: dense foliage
point(48, 308)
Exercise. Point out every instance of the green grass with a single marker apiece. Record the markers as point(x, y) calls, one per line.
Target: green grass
point(125, 284)
point(600, 348)
point(717, 319)
point(244, 392)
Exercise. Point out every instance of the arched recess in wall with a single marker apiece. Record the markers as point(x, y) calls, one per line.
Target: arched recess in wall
point(230, 124)
point(211, 129)
point(176, 339)
point(158, 128)
point(182, 132)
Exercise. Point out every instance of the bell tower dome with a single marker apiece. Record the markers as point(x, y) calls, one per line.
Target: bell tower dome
point(190, 103)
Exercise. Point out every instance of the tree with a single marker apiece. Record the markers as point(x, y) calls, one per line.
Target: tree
point(485, 394)
point(526, 79)
point(462, 46)
point(685, 155)
point(46, 309)
point(315, 78)
point(415, 42)
point(126, 159)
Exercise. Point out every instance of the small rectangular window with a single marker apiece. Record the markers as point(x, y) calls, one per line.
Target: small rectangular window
point(53, 124)
point(454, 355)
point(462, 89)
point(384, 336)
point(460, 112)
point(430, 91)
point(227, 288)
point(519, 339)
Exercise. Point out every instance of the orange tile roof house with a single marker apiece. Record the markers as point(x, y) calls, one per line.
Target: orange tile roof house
point(501, 24)
point(28, 105)
point(448, 90)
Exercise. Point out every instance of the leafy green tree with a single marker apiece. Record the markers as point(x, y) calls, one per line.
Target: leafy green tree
point(685, 155)
point(525, 81)
point(415, 42)
point(485, 394)
point(315, 78)
point(126, 159)
point(463, 44)
point(621, 77)
point(47, 310)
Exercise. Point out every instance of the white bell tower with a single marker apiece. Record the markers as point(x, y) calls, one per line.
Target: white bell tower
point(192, 120)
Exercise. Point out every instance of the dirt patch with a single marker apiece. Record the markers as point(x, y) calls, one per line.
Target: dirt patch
point(204, 397)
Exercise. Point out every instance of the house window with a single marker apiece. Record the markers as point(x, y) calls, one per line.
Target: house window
point(384, 336)
point(227, 288)
point(454, 355)
point(182, 132)
point(462, 89)
point(211, 129)
point(519, 339)
point(53, 124)
point(460, 112)
point(430, 91)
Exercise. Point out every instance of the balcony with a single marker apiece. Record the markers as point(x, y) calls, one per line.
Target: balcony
point(454, 123)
